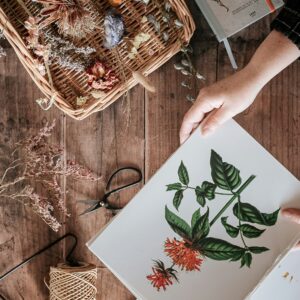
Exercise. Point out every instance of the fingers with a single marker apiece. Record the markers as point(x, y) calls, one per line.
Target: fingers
point(297, 247)
point(193, 117)
point(292, 214)
point(215, 119)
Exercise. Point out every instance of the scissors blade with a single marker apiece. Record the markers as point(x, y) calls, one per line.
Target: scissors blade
point(94, 205)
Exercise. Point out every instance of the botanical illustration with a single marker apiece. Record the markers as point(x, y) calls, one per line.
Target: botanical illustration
point(194, 245)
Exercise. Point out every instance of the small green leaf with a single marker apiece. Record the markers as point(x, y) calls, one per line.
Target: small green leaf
point(237, 256)
point(246, 260)
point(183, 174)
point(271, 218)
point(248, 213)
point(250, 231)
point(224, 175)
point(218, 249)
point(196, 216)
point(178, 225)
point(201, 227)
point(200, 196)
point(231, 230)
point(175, 187)
point(177, 199)
point(209, 190)
point(258, 250)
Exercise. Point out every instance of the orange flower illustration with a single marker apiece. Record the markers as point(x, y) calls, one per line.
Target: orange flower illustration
point(182, 255)
point(161, 277)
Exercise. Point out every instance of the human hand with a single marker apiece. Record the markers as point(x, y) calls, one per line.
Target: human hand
point(292, 214)
point(221, 101)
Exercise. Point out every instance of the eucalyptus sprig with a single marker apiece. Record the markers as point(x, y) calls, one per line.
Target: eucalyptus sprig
point(186, 67)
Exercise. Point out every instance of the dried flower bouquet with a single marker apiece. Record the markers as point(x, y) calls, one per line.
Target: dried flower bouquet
point(34, 166)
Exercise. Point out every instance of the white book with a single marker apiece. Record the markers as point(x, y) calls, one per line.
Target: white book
point(283, 279)
point(207, 225)
point(227, 17)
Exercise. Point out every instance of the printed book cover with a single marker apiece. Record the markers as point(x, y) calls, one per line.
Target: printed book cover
point(227, 17)
point(207, 224)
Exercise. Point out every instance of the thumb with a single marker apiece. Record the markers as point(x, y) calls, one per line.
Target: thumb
point(215, 119)
point(292, 214)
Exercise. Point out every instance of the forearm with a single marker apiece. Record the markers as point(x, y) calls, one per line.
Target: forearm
point(273, 55)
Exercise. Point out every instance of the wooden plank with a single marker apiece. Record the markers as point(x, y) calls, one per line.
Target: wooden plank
point(165, 109)
point(104, 142)
point(22, 232)
point(273, 119)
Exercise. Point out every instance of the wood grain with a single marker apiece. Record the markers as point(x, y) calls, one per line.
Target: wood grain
point(109, 140)
point(23, 233)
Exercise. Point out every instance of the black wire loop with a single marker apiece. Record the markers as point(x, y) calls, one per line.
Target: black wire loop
point(71, 261)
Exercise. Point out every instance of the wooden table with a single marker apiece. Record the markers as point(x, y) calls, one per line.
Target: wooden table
point(104, 142)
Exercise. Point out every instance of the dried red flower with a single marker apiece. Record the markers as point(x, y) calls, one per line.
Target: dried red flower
point(101, 77)
point(161, 277)
point(182, 255)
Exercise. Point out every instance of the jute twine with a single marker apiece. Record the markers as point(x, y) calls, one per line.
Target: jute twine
point(73, 283)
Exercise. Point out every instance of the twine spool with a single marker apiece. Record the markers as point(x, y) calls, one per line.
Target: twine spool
point(73, 283)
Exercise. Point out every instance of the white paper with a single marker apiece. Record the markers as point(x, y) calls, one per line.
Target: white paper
point(130, 243)
point(283, 281)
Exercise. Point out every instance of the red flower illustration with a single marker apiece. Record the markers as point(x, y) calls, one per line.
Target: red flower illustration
point(182, 255)
point(161, 276)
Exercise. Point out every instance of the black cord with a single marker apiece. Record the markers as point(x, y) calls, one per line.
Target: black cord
point(69, 258)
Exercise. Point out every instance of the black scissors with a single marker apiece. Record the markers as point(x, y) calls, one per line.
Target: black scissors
point(103, 202)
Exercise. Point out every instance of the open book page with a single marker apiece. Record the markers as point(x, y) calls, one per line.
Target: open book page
point(206, 225)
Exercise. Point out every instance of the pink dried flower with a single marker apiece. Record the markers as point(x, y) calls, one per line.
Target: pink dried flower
point(40, 165)
point(101, 77)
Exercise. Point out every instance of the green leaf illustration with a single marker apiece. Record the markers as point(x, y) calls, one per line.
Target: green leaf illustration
point(196, 216)
point(237, 256)
point(231, 230)
point(246, 260)
point(209, 190)
point(201, 227)
point(219, 249)
point(224, 175)
point(258, 250)
point(200, 196)
point(177, 199)
point(250, 231)
point(206, 191)
point(175, 187)
point(271, 218)
point(178, 225)
point(248, 213)
point(183, 174)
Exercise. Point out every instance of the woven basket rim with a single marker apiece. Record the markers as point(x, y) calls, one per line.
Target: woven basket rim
point(28, 61)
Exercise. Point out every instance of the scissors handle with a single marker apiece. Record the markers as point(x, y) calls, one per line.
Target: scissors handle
point(139, 179)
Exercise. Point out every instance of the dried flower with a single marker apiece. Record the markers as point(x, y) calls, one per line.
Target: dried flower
point(182, 255)
point(33, 38)
point(57, 49)
point(62, 52)
point(114, 29)
point(39, 166)
point(101, 77)
point(161, 277)
point(186, 67)
point(71, 17)
point(81, 100)
point(115, 3)
point(138, 40)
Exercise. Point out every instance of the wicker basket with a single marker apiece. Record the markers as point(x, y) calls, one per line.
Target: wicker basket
point(13, 15)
